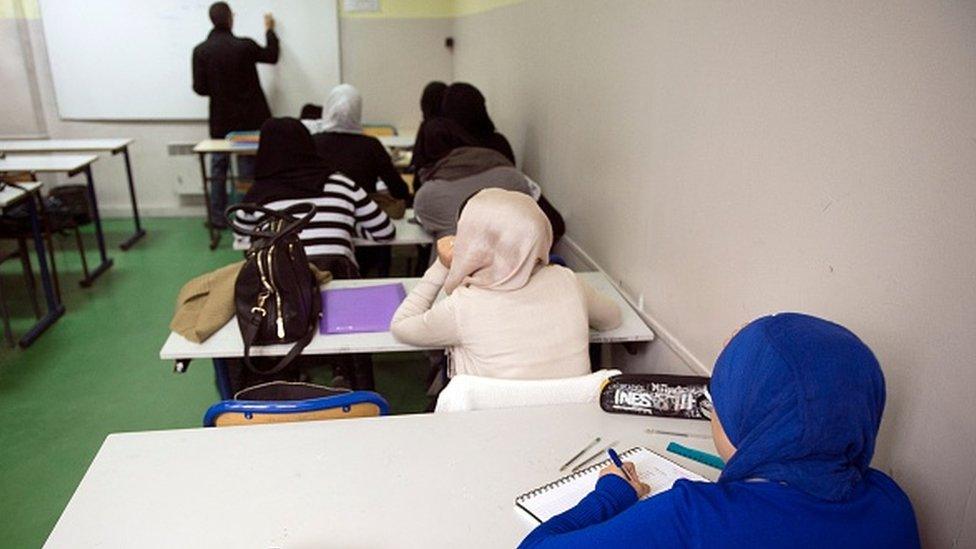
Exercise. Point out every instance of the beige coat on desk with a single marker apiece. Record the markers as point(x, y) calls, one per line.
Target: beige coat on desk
point(507, 314)
point(206, 302)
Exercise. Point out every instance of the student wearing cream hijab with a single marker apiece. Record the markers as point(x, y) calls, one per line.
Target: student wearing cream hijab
point(508, 312)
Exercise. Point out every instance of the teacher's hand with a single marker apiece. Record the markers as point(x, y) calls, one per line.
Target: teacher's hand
point(269, 21)
point(641, 488)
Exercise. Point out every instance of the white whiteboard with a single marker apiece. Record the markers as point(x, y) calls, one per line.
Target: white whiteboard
point(131, 59)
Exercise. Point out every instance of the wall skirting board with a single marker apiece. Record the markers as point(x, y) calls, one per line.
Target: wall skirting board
point(577, 257)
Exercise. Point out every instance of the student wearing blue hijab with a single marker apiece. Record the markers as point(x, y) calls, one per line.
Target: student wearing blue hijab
point(797, 406)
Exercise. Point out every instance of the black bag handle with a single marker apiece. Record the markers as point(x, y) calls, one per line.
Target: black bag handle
point(251, 331)
point(287, 214)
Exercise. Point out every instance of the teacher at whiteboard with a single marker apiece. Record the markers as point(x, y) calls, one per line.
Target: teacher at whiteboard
point(224, 70)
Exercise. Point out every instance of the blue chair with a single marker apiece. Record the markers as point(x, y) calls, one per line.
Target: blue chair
point(253, 412)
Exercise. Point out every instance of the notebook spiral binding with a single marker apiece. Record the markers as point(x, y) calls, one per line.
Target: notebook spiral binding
point(570, 478)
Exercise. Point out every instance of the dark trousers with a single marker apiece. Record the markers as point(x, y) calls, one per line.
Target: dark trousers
point(219, 164)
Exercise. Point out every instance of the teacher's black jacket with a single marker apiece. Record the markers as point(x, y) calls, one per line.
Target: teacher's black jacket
point(224, 69)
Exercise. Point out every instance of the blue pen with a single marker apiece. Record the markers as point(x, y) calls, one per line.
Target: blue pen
point(616, 461)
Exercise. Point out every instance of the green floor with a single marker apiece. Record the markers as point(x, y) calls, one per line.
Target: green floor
point(97, 371)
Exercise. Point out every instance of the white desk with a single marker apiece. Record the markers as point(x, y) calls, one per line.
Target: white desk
point(400, 141)
point(208, 146)
point(71, 165)
point(408, 233)
point(115, 146)
point(227, 342)
point(432, 480)
point(219, 146)
point(10, 196)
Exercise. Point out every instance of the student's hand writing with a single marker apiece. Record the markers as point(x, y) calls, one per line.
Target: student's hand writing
point(445, 250)
point(269, 21)
point(641, 488)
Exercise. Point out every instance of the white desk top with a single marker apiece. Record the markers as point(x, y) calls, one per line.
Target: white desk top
point(402, 141)
point(46, 163)
point(431, 480)
point(10, 195)
point(407, 233)
point(225, 146)
point(227, 343)
point(63, 145)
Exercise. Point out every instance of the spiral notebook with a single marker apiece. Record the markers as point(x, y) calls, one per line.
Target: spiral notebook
point(563, 494)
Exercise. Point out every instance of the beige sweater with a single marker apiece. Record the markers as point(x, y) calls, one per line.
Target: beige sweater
point(539, 331)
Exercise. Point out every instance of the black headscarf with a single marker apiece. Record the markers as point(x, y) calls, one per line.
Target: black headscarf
point(430, 101)
point(464, 104)
point(287, 165)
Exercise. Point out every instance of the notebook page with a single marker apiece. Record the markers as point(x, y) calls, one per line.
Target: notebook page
point(552, 499)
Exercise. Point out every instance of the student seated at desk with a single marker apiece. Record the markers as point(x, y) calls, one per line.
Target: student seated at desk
point(289, 172)
point(430, 108)
point(463, 118)
point(340, 141)
point(797, 405)
point(508, 313)
point(455, 178)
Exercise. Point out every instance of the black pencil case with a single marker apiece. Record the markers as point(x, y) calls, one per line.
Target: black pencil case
point(657, 395)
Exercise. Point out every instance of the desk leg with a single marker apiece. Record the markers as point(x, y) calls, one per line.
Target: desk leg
point(99, 235)
point(222, 377)
point(423, 258)
point(54, 307)
point(596, 357)
point(140, 232)
point(214, 233)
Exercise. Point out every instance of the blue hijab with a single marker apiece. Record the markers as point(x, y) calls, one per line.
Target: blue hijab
point(801, 400)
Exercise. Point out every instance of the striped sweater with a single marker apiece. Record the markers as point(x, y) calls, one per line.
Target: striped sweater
point(343, 211)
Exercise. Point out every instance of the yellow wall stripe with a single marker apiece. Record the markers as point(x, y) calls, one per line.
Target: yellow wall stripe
point(406, 9)
point(389, 9)
point(17, 9)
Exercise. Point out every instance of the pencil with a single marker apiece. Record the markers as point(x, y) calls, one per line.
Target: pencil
point(577, 456)
point(594, 456)
point(675, 433)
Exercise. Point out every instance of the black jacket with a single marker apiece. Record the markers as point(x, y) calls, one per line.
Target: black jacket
point(361, 158)
point(224, 70)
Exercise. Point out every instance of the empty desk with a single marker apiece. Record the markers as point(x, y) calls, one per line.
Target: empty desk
point(71, 165)
point(11, 195)
point(113, 145)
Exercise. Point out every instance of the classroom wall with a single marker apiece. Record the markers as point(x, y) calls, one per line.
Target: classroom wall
point(17, 110)
point(390, 60)
point(731, 159)
point(389, 56)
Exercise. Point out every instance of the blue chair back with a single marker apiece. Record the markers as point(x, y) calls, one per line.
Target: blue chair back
point(252, 412)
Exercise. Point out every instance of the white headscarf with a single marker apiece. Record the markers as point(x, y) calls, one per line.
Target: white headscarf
point(343, 112)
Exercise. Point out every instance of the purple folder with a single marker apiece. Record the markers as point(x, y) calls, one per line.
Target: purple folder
point(357, 310)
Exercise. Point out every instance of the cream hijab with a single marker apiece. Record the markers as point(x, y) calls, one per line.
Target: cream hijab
point(343, 112)
point(502, 239)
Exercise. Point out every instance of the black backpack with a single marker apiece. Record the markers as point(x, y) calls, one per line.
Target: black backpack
point(276, 296)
